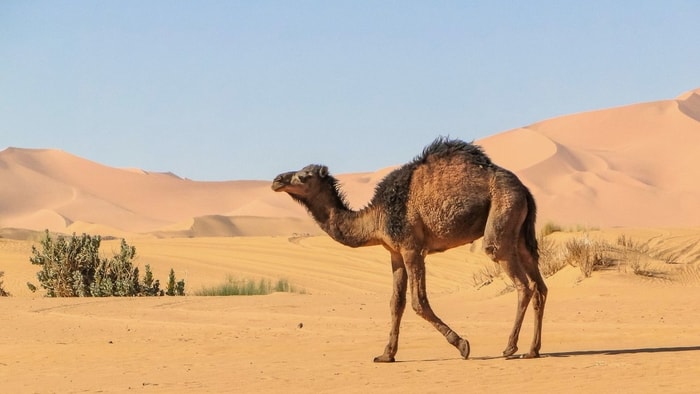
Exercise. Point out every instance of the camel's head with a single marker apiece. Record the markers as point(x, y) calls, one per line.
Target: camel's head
point(302, 183)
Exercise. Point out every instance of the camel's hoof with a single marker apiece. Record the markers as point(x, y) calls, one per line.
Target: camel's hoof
point(532, 354)
point(464, 348)
point(384, 359)
point(510, 351)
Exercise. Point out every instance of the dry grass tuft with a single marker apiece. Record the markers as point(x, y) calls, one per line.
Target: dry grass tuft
point(551, 259)
point(590, 255)
point(247, 287)
point(549, 228)
point(587, 254)
point(638, 257)
point(3, 293)
point(486, 275)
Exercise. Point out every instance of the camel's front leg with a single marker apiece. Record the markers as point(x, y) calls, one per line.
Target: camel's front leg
point(419, 297)
point(398, 305)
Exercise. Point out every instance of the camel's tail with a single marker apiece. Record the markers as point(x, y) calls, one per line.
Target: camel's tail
point(528, 228)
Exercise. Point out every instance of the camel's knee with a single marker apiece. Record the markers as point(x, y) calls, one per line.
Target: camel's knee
point(500, 252)
point(542, 289)
point(491, 251)
point(421, 307)
point(417, 307)
point(398, 303)
point(525, 293)
point(399, 299)
point(540, 296)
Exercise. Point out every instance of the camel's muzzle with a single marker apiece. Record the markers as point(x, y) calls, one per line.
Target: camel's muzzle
point(281, 181)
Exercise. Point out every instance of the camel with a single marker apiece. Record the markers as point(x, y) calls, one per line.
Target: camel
point(450, 195)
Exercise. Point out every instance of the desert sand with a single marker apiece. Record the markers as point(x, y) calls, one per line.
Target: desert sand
point(628, 171)
point(613, 331)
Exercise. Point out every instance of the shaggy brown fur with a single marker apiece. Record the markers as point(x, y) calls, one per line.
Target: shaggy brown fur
point(450, 195)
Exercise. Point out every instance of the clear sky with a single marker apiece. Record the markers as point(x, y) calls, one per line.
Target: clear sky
point(229, 90)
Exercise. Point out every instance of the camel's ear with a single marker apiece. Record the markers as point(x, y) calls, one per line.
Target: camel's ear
point(322, 171)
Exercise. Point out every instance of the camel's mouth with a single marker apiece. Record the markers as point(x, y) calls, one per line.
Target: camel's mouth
point(277, 186)
point(281, 181)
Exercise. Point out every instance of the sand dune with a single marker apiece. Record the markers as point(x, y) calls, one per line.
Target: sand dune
point(635, 165)
point(239, 226)
point(54, 189)
point(628, 166)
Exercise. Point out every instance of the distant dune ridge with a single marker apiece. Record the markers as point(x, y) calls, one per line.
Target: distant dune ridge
point(52, 189)
point(635, 165)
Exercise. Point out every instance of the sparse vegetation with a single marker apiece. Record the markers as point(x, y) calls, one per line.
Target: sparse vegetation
point(589, 255)
point(73, 267)
point(175, 288)
point(486, 275)
point(551, 260)
point(150, 286)
point(549, 228)
point(637, 255)
point(3, 292)
point(235, 287)
point(552, 227)
point(583, 228)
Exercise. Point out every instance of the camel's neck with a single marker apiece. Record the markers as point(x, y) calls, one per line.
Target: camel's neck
point(349, 227)
point(352, 228)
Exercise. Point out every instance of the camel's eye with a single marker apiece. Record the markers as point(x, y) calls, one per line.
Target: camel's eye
point(304, 176)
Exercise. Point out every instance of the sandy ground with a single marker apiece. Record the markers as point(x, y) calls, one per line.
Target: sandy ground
point(615, 331)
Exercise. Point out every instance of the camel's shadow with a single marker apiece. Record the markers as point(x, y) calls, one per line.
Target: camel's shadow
point(614, 352)
point(574, 353)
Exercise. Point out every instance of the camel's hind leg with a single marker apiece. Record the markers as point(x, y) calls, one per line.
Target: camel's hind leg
point(397, 305)
point(514, 270)
point(539, 297)
point(501, 243)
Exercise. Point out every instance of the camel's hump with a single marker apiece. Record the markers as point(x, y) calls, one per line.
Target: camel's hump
point(444, 147)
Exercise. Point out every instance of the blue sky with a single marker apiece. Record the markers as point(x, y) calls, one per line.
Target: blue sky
point(228, 90)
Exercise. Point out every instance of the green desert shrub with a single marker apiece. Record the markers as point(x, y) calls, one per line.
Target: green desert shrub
point(175, 288)
point(73, 267)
